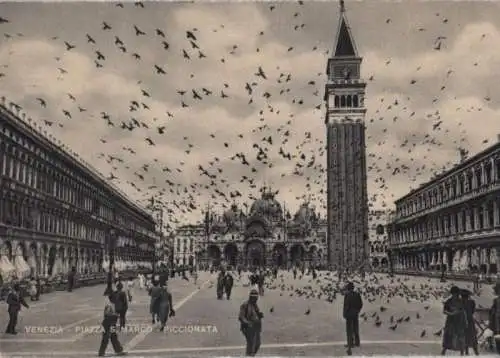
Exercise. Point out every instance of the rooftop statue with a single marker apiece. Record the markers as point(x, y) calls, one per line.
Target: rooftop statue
point(233, 219)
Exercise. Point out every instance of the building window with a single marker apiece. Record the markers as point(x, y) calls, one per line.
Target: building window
point(487, 171)
point(479, 178)
point(380, 229)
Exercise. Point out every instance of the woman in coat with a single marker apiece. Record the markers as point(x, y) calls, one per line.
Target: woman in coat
point(494, 321)
point(456, 323)
point(165, 307)
point(470, 331)
point(154, 305)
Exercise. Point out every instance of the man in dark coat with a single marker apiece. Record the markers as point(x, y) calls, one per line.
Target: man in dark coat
point(14, 301)
point(250, 318)
point(260, 282)
point(121, 304)
point(228, 285)
point(352, 307)
point(71, 279)
point(220, 284)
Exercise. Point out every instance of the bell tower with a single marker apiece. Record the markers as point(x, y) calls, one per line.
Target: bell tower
point(347, 198)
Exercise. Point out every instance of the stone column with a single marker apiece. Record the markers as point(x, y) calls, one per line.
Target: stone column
point(487, 259)
point(493, 170)
point(45, 260)
point(496, 219)
point(483, 174)
point(476, 218)
point(474, 179)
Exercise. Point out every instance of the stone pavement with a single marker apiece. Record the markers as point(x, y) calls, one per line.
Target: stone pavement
point(205, 326)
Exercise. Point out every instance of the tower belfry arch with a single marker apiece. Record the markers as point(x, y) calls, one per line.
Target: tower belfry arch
point(347, 198)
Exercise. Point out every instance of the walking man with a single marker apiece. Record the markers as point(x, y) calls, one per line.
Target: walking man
point(352, 307)
point(250, 318)
point(121, 304)
point(14, 300)
point(71, 279)
point(228, 285)
point(220, 284)
point(109, 328)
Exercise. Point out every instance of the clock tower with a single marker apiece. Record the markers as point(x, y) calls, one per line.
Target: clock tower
point(347, 198)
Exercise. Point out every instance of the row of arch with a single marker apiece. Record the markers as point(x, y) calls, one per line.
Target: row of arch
point(46, 260)
point(255, 253)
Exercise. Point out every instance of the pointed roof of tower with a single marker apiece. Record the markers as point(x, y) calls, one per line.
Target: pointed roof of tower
point(344, 41)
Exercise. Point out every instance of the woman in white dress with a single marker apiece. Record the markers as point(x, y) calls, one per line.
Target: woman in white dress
point(141, 281)
point(130, 287)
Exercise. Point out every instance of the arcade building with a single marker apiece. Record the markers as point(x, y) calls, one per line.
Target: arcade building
point(265, 236)
point(452, 222)
point(56, 212)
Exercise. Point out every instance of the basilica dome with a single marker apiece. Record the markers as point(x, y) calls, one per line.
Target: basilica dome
point(267, 206)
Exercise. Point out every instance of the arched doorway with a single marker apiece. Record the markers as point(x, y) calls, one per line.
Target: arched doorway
point(375, 262)
point(214, 255)
point(279, 255)
point(256, 253)
point(231, 254)
point(297, 254)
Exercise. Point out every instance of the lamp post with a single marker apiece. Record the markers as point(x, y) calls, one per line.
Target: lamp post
point(111, 242)
point(155, 253)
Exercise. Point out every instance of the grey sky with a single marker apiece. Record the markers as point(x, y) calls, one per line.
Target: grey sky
point(412, 86)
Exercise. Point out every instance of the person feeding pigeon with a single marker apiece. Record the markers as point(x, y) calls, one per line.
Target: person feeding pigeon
point(250, 318)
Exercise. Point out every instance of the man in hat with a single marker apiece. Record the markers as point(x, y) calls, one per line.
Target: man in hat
point(250, 318)
point(352, 307)
point(14, 301)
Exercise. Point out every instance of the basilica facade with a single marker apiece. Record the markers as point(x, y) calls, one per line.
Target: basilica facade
point(267, 235)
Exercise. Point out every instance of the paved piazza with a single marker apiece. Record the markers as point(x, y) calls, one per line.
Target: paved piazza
point(205, 326)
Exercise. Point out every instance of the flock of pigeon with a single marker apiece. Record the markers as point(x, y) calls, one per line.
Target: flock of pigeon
point(389, 303)
point(183, 182)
